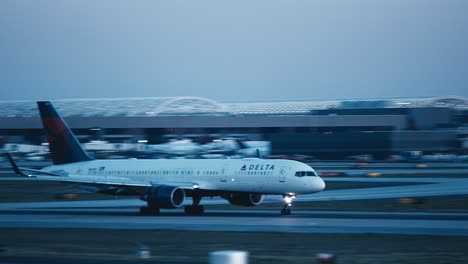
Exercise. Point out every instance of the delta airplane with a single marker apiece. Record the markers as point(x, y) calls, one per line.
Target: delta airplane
point(164, 183)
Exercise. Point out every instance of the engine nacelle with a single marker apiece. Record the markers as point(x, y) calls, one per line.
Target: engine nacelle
point(166, 197)
point(245, 199)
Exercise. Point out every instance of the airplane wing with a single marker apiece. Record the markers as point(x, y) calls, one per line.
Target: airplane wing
point(183, 185)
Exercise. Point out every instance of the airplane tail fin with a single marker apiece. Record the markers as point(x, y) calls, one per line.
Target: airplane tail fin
point(259, 154)
point(241, 144)
point(64, 146)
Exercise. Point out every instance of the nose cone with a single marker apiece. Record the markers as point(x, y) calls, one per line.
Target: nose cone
point(317, 185)
point(320, 184)
point(309, 185)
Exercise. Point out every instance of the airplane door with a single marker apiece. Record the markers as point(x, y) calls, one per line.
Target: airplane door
point(282, 174)
point(224, 174)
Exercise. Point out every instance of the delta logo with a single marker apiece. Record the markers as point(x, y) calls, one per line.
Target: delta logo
point(258, 167)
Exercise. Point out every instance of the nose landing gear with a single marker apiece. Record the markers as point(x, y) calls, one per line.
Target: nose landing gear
point(286, 210)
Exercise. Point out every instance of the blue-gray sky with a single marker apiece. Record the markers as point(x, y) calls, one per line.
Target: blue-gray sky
point(244, 50)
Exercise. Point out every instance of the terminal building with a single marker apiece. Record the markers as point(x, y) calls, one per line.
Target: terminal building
point(323, 129)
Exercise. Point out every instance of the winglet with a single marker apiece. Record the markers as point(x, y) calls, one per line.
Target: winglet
point(15, 167)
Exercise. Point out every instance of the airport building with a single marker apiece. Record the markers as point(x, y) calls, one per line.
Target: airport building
point(324, 129)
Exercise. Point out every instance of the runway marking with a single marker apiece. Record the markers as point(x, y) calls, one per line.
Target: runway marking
point(240, 223)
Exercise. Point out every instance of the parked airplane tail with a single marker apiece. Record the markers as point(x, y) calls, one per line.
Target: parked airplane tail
point(63, 145)
point(241, 144)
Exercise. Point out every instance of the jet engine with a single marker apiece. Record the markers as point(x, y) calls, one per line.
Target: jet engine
point(244, 199)
point(166, 197)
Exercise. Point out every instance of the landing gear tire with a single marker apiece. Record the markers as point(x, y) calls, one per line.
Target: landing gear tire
point(286, 211)
point(147, 211)
point(194, 210)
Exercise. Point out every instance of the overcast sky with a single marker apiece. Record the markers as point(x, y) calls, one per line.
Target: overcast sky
point(243, 50)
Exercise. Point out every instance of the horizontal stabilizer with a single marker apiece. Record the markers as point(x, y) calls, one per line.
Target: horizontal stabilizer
point(21, 171)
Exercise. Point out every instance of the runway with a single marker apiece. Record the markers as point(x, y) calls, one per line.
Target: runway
point(240, 220)
point(425, 187)
point(123, 213)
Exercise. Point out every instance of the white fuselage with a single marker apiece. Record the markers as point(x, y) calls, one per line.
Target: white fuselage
point(268, 176)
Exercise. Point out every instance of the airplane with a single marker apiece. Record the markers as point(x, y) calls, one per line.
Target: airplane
point(224, 147)
point(234, 147)
point(25, 149)
point(182, 147)
point(165, 183)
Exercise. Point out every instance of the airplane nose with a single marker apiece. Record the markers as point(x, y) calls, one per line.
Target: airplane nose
point(319, 184)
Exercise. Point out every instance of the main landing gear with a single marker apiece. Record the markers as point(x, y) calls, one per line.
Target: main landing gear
point(286, 210)
point(195, 208)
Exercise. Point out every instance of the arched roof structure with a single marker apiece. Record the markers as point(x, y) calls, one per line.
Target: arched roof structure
point(189, 106)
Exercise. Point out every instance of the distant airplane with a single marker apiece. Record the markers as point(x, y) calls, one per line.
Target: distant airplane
point(24, 149)
point(182, 147)
point(233, 147)
point(224, 147)
point(164, 183)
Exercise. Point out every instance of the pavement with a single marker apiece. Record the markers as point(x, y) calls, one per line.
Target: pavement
point(123, 213)
point(240, 220)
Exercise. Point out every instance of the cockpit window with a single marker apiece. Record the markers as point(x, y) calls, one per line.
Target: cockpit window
point(305, 173)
